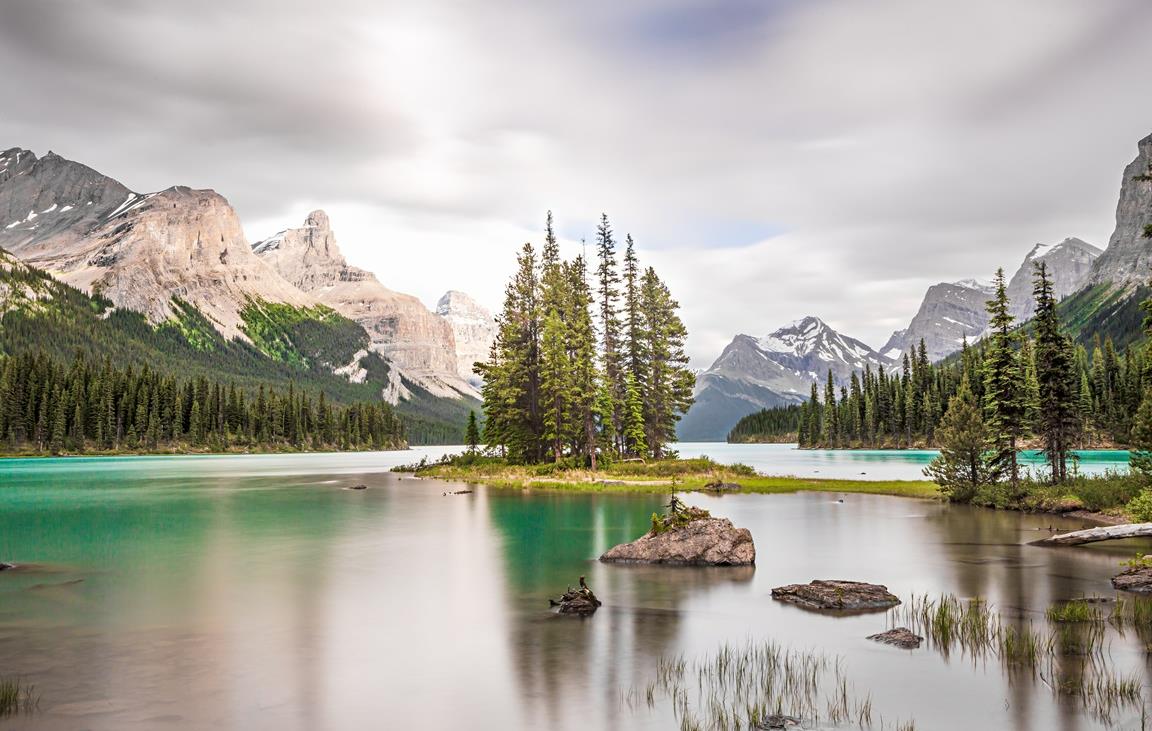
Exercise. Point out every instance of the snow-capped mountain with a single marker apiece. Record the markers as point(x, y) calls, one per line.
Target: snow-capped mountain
point(755, 373)
point(1068, 262)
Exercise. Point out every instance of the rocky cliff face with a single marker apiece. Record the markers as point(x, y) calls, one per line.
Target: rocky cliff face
point(950, 312)
point(1128, 258)
point(778, 369)
point(1069, 264)
point(400, 327)
point(473, 329)
point(139, 250)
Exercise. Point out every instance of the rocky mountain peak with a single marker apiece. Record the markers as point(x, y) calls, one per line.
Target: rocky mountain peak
point(1128, 258)
point(473, 328)
point(1069, 263)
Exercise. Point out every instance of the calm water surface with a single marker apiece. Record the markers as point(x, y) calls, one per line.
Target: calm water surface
point(255, 593)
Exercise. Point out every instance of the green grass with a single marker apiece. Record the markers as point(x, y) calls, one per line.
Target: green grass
point(651, 477)
point(17, 696)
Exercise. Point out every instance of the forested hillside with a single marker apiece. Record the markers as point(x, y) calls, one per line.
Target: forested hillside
point(39, 315)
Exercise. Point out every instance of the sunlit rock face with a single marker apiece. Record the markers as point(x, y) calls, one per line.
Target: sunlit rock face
point(473, 328)
point(400, 327)
point(140, 250)
point(1128, 257)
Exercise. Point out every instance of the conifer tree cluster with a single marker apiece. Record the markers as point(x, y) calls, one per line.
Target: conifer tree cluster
point(1025, 385)
point(47, 406)
point(587, 363)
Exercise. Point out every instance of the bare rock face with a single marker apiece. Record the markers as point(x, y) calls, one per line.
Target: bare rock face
point(950, 312)
point(1136, 580)
point(1129, 254)
point(837, 595)
point(901, 637)
point(708, 542)
point(473, 328)
point(400, 327)
point(139, 250)
point(1068, 263)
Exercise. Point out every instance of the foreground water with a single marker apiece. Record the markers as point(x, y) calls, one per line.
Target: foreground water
point(255, 593)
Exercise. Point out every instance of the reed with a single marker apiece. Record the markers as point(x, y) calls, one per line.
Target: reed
point(16, 696)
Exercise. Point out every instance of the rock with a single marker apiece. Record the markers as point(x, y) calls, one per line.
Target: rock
point(357, 487)
point(1128, 256)
point(719, 486)
point(901, 637)
point(777, 720)
point(837, 595)
point(1135, 580)
point(707, 542)
point(399, 326)
point(6, 566)
point(580, 601)
point(473, 327)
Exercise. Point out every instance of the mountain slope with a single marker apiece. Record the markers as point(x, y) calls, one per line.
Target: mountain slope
point(473, 329)
point(950, 312)
point(138, 250)
point(399, 326)
point(1127, 260)
point(1069, 264)
point(778, 369)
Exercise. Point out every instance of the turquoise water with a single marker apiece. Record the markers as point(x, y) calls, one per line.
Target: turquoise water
point(868, 464)
point(256, 593)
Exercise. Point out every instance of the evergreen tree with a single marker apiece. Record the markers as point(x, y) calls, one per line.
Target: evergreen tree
point(668, 381)
point(962, 465)
point(1004, 399)
point(1057, 383)
point(612, 396)
point(472, 434)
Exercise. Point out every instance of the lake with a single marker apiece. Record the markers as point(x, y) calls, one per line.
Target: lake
point(253, 592)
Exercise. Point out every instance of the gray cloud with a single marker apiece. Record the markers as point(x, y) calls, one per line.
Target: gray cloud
point(877, 147)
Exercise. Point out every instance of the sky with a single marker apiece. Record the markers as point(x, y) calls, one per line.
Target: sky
point(771, 158)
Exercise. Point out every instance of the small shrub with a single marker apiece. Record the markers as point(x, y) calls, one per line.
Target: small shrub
point(1139, 561)
point(1140, 507)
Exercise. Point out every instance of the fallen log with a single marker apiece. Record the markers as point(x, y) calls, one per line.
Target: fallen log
point(1093, 535)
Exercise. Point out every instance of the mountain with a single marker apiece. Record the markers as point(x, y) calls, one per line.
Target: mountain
point(952, 311)
point(1128, 258)
point(473, 329)
point(1069, 264)
point(949, 312)
point(400, 327)
point(140, 250)
point(775, 370)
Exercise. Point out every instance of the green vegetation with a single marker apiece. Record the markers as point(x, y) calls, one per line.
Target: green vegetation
point(49, 407)
point(40, 314)
point(1076, 610)
point(16, 697)
point(678, 516)
point(302, 336)
point(553, 392)
point(779, 425)
point(657, 477)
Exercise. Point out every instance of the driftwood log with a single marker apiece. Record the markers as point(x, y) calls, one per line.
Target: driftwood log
point(1093, 535)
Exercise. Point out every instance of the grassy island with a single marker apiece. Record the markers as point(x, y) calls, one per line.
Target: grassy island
point(659, 476)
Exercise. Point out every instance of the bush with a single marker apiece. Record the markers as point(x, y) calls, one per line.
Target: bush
point(1140, 507)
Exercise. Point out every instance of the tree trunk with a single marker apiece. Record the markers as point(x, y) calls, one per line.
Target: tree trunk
point(1092, 535)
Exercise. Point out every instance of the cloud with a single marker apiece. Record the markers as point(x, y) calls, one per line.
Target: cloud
point(772, 159)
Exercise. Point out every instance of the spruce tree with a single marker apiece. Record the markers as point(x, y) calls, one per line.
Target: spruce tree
point(962, 466)
point(612, 393)
point(1057, 385)
point(472, 434)
point(668, 381)
point(1003, 387)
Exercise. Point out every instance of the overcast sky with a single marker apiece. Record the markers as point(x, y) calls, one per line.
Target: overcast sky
point(772, 158)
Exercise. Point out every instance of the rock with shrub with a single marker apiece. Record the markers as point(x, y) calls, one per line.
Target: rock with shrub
point(687, 536)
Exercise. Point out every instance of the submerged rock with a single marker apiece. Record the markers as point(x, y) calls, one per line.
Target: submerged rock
point(356, 487)
point(1137, 580)
point(837, 595)
point(778, 720)
point(719, 486)
point(705, 542)
point(901, 637)
point(6, 566)
point(580, 601)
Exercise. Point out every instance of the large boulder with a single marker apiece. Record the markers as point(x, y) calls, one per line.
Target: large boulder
point(704, 542)
point(837, 595)
point(1137, 580)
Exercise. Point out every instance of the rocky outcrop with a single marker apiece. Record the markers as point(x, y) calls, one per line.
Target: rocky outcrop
point(950, 312)
point(1068, 263)
point(579, 601)
point(901, 637)
point(774, 370)
point(707, 542)
point(399, 326)
point(837, 595)
point(1128, 258)
point(1136, 580)
point(473, 329)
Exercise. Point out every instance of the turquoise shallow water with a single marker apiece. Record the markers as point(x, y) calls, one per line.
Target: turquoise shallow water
point(256, 593)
